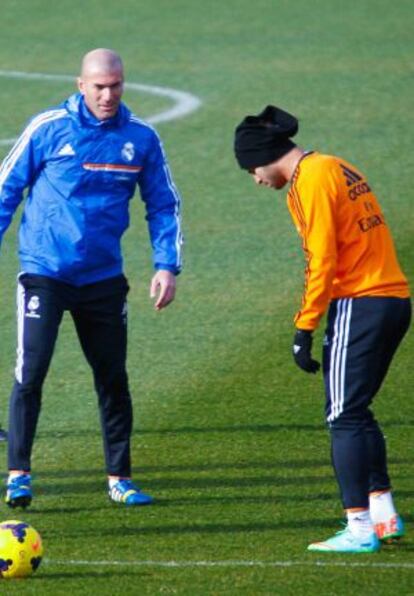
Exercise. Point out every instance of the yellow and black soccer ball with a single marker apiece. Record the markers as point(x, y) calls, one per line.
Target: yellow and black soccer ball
point(21, 549)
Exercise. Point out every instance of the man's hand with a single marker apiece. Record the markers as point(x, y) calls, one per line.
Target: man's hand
point(163, 283)
point(302, 348)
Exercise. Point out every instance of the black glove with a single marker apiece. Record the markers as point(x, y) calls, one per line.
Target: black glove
point(302, 346)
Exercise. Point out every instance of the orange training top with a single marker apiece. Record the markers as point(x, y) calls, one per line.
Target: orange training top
point(347, 243)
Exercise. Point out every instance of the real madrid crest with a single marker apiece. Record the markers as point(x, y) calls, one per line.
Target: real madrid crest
point(128, 151)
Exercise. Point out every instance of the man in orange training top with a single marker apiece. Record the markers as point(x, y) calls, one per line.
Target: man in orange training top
point(351, 270)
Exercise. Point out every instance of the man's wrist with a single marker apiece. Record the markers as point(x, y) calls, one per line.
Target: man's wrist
point(169, 268)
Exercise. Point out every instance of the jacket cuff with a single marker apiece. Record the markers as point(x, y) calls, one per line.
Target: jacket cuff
point(171, 268)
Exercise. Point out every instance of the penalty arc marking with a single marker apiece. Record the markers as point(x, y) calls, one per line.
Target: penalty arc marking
point(184, 103)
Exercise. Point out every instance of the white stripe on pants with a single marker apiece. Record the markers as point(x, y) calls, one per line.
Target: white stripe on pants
point(338, 356)
point(20, 298)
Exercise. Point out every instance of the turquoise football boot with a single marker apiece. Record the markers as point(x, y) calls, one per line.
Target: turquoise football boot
point(391, 530)
point(346, 542)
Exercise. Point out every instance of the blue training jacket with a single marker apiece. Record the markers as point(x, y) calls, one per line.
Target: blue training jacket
point(81, 174)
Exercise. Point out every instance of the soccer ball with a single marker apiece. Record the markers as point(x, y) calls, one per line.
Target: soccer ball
point(21, 549)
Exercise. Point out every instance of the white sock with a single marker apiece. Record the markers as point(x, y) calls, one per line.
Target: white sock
point(360, 523)
point(112, 480)
point(14, 473)
point(381, 507)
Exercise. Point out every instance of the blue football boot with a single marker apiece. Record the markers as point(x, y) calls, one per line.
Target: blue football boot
point(125, 491)
point(19, 491)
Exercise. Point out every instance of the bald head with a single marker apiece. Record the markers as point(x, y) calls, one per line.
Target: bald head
point(101, 82)
point(101, 61)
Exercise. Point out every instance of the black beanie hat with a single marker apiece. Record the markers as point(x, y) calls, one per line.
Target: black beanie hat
point(262, 139)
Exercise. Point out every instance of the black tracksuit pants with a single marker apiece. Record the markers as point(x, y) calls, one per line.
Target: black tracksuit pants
point(361, 339)
point(100, 316)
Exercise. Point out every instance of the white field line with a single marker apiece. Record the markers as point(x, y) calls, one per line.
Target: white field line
point(230, 563)
point(184, 103)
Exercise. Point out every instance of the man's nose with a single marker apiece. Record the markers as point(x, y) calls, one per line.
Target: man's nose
point(107, 94)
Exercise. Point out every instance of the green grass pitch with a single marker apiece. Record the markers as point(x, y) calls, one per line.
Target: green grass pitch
point(228, 434)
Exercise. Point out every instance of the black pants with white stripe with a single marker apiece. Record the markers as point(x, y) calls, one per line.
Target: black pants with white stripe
point(99, 313)
point(361, 339)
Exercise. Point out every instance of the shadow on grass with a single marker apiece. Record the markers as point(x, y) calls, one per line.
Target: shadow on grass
point(74, 573)
point(126, 531)
point(297, 464)
point(77, 482)
point(258, 428)
point(236, 482)
point(250, 428)
point(38, 508)
point(171, 483)
point(245, 499)
point(213, 467)
point(255, 428)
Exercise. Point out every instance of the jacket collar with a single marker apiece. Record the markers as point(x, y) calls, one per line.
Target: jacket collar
point(76, 106)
